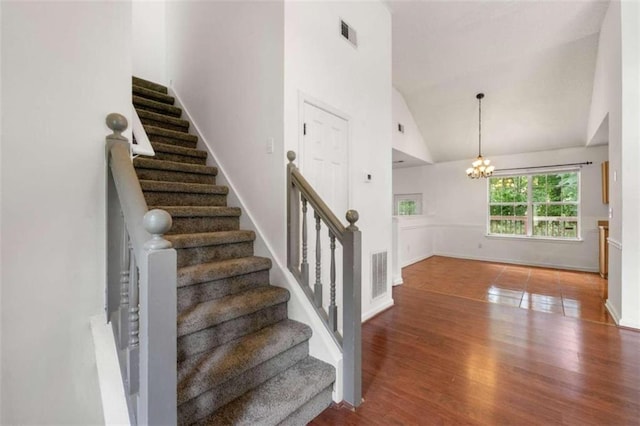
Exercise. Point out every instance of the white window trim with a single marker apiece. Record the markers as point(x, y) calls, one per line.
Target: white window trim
point(531, 172)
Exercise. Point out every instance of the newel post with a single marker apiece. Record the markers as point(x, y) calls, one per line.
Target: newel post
point(158, 330)
point(293, 217)
point(352, 316)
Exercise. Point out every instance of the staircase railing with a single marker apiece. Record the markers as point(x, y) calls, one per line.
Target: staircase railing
point(141, 288)
point(301, 195)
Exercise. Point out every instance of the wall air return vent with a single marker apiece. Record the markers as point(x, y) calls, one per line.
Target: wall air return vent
point(349, 33)
point(378, 274)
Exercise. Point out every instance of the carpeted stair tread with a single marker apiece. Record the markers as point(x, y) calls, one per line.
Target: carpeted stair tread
point(201, 239)
point(277, 398)
point(200, 211)
point(212, 271)
point(181, 187)
point(170, 134)
point(150, 163)
point(137, 81)
point(216, 311)
point(143, 92)
point(311, 409)
point(204, 371)
point(154, 106)
point(179, 123)
point(179, 150)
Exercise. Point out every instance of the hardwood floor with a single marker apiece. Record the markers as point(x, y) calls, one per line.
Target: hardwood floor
point(570, 293)
point(437, 359)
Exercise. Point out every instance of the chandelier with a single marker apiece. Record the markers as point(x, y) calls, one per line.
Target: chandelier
point(480, 168)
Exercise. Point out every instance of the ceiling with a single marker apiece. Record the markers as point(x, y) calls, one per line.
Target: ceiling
point(534, 60)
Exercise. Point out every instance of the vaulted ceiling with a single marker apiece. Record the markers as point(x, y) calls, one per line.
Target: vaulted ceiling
point(534, 60)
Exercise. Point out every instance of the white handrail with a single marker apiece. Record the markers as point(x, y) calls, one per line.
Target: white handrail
point(142, 145)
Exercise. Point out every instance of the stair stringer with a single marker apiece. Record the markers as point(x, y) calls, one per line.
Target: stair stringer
point(321, 345)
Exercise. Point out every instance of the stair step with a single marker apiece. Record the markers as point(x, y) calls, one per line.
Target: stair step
point(154, 95)
point(149, 118)
point(204, 247)
point(219, 334)
point(207, 402)
point(200, 292)
point(311, 409)
point(171, 171)
point(213, 271)
point(205, 371)
point(213, 312)
point(191, 219)
point(159, 193)
point(155, 106)
point(137, 81)
point(171, 137)
point(179, 154)
point(293, 388)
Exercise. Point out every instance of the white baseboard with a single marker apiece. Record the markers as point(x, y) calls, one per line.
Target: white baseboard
point(373, 312)
point(518, 262)
point(114, 402)
point(613, 312)
point(398, 281)
point(415, 260)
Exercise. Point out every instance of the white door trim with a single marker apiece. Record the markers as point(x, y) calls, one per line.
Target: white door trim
point(304, 98)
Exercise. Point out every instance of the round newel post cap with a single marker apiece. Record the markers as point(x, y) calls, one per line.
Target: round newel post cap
point(157, 222)
point(291, 156)
point(118, 123)
point(352, 217)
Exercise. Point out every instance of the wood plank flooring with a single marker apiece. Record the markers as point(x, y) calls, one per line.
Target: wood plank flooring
point(569, 293)
point(438, 359)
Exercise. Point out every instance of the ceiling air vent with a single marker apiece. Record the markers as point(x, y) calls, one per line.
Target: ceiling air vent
point(349, 33)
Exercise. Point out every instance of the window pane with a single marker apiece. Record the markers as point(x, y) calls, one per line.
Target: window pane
point(540, 228)
point(520, 195)
point(521, 210)
point(507, 210)
point(554, 189)
point(570, 210)
point(569, 184)
point(495, 188)
point(494, 210)
point(407, 207)
point(554, 210)
point(539, 188)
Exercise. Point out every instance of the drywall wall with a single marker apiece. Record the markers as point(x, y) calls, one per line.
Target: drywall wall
point(149, 40)
point(615, 98)
point(456, 212)
point(65, 66)
point(320, 64)
point(630, 158)
point(415, 233)
point(411, 141)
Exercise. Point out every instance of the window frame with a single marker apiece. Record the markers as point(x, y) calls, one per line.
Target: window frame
point(530, 203)
point(416, 197)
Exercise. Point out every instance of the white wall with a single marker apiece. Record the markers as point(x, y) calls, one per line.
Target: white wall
point(149, 40)
point(415, 233)
point(456, 211)
point(615, 95)
point(630, 155)
point(411, 141)
point(65, 66)
point(320, 64)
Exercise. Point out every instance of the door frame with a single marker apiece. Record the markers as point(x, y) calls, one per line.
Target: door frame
point(303, 99)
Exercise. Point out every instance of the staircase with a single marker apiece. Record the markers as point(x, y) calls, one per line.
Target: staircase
point(240, 359)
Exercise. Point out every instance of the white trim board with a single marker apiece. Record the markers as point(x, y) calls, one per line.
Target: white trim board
point(517, 262)
point(612, 311)
point(112, 393)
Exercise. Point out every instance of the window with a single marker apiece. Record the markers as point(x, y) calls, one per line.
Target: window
point(407, 204)
point(535, 205)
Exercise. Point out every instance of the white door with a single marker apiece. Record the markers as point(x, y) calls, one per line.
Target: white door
point(325, 148)
point(325, 166)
